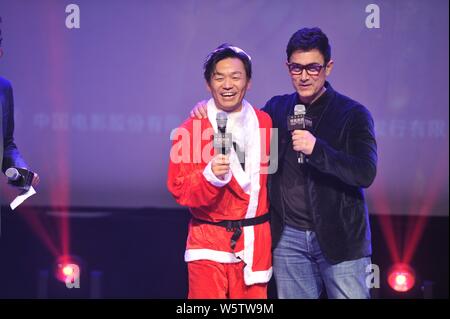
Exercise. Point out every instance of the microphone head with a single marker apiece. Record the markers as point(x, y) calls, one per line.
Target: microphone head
point(12, 173)
point(299, 109)
point(221, 119)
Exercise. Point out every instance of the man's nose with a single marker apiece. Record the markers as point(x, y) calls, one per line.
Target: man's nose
point(227, 83)
point(304, 75)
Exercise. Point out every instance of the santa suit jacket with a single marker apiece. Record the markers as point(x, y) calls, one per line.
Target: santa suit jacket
point(191, 184)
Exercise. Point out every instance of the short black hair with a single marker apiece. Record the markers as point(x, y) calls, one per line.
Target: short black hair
point(308, 39)
point(222, 52)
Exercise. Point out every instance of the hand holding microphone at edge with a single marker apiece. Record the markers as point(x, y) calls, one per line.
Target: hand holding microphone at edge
point(21, 177)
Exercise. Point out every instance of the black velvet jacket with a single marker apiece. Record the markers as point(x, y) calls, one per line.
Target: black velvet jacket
point(9, 154)
point(342, 163)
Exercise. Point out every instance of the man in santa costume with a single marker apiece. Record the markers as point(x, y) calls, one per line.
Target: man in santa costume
point(228, 248)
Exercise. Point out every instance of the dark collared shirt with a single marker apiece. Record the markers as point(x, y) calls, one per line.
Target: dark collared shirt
point(293, 175)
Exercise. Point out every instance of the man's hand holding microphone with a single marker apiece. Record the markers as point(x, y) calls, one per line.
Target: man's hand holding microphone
point(21, 177)
point(303, 141)
point(220, 166)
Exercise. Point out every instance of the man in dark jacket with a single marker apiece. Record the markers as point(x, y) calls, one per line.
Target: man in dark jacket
point(320, 223)
point(9, 153)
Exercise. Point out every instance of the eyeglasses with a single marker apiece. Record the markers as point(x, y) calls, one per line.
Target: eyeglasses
point(311, 69)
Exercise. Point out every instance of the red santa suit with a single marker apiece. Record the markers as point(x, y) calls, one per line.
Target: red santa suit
point(241, 195)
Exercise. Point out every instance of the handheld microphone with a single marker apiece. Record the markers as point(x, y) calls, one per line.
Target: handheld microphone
point(221, 119)
point(297, 122)
point(222, 140)
point(19, 177)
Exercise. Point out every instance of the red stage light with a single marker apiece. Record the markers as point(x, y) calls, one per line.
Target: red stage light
point(401, 277)
point(67, 269)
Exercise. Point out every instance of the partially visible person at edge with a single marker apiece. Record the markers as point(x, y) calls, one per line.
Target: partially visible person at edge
point(319, 217)
point(9, 153)
point(228, 246)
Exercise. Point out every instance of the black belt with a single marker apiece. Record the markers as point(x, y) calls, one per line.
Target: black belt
point(236, 225)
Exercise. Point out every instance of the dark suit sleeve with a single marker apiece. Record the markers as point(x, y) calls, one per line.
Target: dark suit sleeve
point(356, 166)
point(268, 108)
point(11, 154)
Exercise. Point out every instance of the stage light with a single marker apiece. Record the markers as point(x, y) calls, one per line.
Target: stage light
point(401, 277)
point(67, 270)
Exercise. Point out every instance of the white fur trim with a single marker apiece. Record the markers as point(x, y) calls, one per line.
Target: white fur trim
point(209, 254)
point(256, 277)
point(210, 177)
point(238, 172)
point(253, 157)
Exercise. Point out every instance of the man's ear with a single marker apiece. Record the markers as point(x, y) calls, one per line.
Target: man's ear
point(329, 67)
point(287, 67)
point(208, 87)
point(249, 84)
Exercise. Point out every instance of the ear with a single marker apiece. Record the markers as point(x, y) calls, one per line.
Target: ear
point(249, 84)
point(329, 67)
point(208, 87)
point(287, 67)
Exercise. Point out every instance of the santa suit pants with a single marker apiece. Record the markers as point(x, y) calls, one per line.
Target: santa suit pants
point(213, 280)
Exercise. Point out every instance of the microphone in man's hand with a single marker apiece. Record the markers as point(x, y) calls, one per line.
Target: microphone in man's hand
point(221, 119)
point(19, 177)
point(222, 140)
point(297, 122)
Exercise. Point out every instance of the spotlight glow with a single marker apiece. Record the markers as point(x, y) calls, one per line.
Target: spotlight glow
point(67, 268)
point(401, 277)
